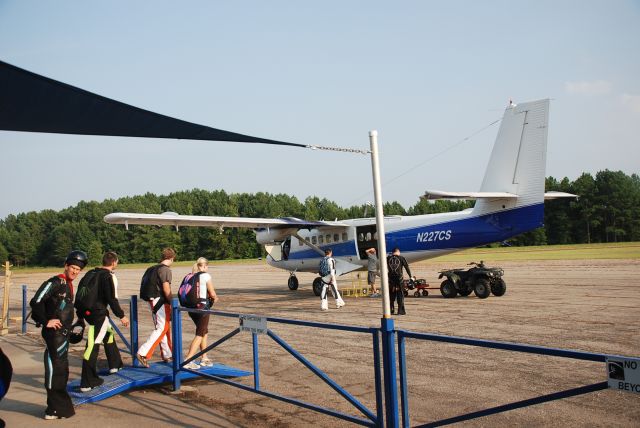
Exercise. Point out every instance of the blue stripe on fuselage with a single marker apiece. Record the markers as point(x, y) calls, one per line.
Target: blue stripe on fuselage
point(468, 232)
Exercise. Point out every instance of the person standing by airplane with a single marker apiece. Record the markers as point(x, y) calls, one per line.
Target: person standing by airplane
point(93, 310)
point(395, 263)
point(206, 294)
point(328, 273)
point(155, 288)
point(52, 308)
point(373, 267)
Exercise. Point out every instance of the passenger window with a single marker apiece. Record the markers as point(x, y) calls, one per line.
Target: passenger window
point(375, 236)
point(328, 238)
point(336, 237)
point(368, 236)
point(361, 237)
point(344, 236)
point(320, 239)
point(313, 240)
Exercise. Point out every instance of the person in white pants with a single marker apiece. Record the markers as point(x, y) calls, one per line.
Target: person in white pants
point(329, 281)
point(159, 298)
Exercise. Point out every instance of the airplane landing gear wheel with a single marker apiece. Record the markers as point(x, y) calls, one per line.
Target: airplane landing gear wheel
point(293, 283)
point(317, 286)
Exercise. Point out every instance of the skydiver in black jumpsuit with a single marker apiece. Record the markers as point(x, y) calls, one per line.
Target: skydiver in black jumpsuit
point(52, 307)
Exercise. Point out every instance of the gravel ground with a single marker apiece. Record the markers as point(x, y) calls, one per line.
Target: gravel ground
point(587, 305)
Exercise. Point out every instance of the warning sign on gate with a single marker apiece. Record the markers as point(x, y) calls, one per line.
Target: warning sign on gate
point(253, 323)
point(624, 374)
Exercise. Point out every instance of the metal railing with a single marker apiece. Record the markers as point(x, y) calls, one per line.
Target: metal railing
point(371, 418)
point(384, 361)
point(539, 350)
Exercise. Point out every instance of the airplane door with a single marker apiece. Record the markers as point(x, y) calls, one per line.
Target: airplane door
point(286, 248)
point(279, 252)
point(367, 237)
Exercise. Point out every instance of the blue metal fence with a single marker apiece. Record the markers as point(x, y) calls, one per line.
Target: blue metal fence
point(390, 416)
point(539, 350)
point(372, 418)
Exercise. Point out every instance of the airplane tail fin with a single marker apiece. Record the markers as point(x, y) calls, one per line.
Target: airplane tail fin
point(518, 160)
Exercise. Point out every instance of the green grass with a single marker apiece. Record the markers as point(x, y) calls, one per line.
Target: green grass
point(625, 250)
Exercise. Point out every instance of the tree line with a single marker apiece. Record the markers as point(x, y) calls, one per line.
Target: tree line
point(606, 211)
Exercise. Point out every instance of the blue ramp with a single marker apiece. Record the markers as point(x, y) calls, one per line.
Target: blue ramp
point(135, 377)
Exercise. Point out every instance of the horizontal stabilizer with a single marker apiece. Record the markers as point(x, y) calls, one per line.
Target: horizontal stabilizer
point(439, 194)
point(557, 195)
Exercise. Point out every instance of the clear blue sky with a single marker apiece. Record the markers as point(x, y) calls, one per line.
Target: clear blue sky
point(425, 74)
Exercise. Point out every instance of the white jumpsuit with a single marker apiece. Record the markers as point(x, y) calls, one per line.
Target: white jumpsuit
point(330, 280)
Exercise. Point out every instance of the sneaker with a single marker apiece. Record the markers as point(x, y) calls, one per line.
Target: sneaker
point(89, 388)
point(339, 304)
point(168, 360)
point(401, 312)
point(324, 305)
point(143, 360)
point(115, 370)
point(52, 417)
point(192, 366)
point(205, 362)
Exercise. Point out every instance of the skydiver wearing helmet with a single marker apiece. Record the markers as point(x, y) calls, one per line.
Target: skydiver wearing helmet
point(52, 308)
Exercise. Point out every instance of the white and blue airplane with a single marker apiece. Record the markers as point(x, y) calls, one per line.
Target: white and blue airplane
point(510, 202)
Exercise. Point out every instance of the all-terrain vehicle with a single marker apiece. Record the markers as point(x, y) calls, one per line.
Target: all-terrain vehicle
point(480, 279)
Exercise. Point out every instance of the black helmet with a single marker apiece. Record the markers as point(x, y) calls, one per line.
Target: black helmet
point(78, 258)
point(77, 331)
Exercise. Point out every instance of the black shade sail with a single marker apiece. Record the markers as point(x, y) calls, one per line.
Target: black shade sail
point(33, 103)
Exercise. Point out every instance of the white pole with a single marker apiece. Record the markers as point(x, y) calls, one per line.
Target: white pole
point(382, 245)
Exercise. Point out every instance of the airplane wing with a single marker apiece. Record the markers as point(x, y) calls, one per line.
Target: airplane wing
point(174, 219)
point(439, 194)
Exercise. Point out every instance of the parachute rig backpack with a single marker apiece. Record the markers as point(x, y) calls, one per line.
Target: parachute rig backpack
point(325, 269)
point(87, 293)
point(188, 291)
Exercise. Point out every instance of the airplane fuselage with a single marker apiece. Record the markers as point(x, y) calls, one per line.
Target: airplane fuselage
point(418, 237)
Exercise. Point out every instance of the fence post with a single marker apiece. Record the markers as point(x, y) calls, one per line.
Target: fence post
point(176, 331)
point(24, 309)
point(389, 367)
point(256, 363)
point(402, 364)
point(133, 329)
point(4, 312)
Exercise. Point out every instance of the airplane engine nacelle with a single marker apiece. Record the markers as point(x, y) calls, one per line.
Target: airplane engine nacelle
point(271, 235)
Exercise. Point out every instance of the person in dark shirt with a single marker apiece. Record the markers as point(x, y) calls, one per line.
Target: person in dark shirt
point(395, 264)
point(100, 329)
point(52, 308)
point(160, 306)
